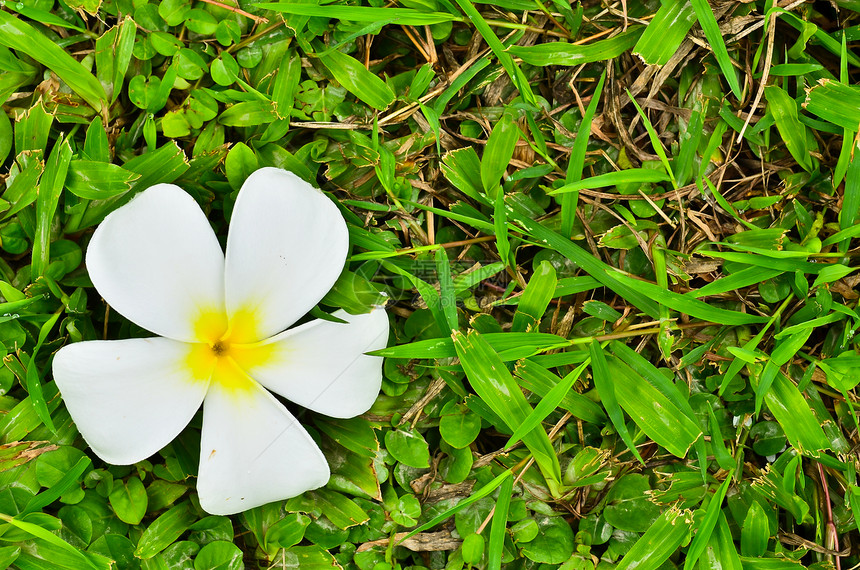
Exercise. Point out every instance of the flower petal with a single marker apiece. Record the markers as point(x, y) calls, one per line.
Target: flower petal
point(321, 365)
point(286, 248)
point(253, 451)
point(129, 398)
point(157, 262)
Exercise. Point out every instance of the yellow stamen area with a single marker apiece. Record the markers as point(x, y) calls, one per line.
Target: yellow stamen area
point(226, 356)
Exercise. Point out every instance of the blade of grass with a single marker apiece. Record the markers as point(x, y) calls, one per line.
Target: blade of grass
point(577, 159)
point(627, 176)
point(558, 53)
point(356, 79)
point(546, 405)
point(498, 152)
point(517, 76)
point(660, 541)
point(509, 345)
point(535, 299)
point(498, 529)
point(735, 281)
point(494, 384)
point(606, 388)
point(473, 498)
point(715, 39)
point(447, 297)
point(655, 141)
point(655, 413)
point(586, 261)
point(792, 131)
point(50, 189)
point(50, 537)
point(665, 32)
point(21, 36)
point(709, 522)
point(534, 377)
point(400, 16)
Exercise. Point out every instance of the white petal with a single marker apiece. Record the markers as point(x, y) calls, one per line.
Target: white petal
point(157, 262)
point(253, 451)
point(321, 365)
point(129, 398)
point(286, 247)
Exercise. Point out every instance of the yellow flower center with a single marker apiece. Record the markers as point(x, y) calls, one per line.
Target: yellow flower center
point(229, 352)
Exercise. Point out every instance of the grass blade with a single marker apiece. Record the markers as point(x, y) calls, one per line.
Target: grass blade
point(628, 176)
point(712, 32)
point(517, 76)
point(498, 529)
point(494, 385)
point(606, 388)
point(547, 405)
point(659, 542)
point(665, 32)
point(558, 53)
point(535, 299)
point(21, 36)
point(577, 159)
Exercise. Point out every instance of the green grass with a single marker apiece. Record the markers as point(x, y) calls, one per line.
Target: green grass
point(655, 304)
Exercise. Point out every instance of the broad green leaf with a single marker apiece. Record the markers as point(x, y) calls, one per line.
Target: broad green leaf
point(462, 168)
point(219, 555)
point(459, 427)
point(356, 435)
point(248, 114)
point(164, 530)
point(32, 129)
point(339, 509)
point(561, 53)
point(755, 532)
point(408, 447)
point(164, 165)
point(356, 79)
point(129, 500)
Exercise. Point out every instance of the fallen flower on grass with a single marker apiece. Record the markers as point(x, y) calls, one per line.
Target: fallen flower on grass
point(222, 320)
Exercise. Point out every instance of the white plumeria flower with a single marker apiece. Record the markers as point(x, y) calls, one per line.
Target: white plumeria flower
point(157, 261)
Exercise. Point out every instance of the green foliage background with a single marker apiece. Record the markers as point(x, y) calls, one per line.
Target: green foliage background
point(617, 242)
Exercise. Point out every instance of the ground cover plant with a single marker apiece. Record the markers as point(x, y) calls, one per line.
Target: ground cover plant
point(616, 242)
